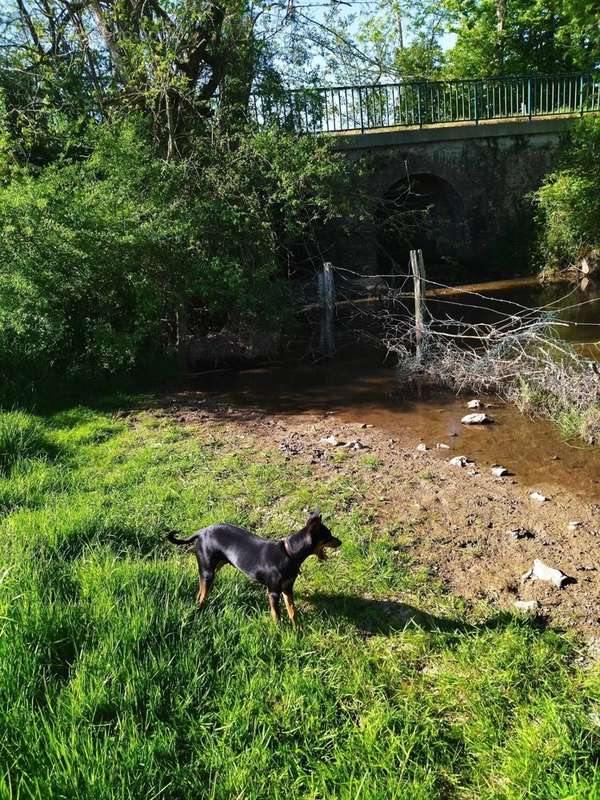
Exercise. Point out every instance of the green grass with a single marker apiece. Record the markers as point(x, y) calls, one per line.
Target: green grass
point(112, 686)
point(21, 436)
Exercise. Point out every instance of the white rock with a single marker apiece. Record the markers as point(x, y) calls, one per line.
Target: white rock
point(529, 606)
point(542, 572)
point(442, 446)
point(332, 440)
point(459, 461)
point(476, 419)
point(474, 404)
point(574, 524)
point(499, 471)
point(538, 496)
point(422, 447)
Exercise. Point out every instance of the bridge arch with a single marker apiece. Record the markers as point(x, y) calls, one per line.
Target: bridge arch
point(421, 210)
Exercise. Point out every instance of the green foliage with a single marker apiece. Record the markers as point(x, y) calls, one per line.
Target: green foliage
point(535, 36)
point(422, 58)
point(95, 252)
point(111, 685)
point(568, 203)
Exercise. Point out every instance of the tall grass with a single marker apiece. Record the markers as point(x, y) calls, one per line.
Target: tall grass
point(112, 686)
point(22, 436)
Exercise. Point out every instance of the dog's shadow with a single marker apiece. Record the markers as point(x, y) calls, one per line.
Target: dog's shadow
point(385, 617)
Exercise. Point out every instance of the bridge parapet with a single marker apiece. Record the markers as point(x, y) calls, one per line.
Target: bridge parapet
point(417, 103)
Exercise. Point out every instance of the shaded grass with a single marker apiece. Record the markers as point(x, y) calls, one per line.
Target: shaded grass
point(22, 436)
point(111, 686)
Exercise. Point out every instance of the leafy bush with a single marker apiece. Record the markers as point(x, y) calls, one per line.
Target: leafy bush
point(21, 436)
point(569, 200)
point(96, 252)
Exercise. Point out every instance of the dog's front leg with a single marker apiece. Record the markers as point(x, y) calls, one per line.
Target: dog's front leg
point(274, 604)
point(288, 598)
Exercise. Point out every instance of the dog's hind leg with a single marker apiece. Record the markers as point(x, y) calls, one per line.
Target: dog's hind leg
point(205, 582)
point(206, 577)
point(274, 604)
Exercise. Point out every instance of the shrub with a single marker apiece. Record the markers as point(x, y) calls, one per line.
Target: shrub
point(568, 202)
point(97, 254)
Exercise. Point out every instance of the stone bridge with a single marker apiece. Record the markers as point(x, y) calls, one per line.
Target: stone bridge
point(474, 180)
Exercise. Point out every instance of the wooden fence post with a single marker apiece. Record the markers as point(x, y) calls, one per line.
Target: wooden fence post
point(327, 301)
point(418, 270)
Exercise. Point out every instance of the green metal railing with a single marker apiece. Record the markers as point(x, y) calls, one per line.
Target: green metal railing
point(418, 103)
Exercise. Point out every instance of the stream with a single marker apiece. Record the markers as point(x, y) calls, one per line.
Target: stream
point(360, 387)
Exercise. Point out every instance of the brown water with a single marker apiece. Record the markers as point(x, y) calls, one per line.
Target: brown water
point(361, 388)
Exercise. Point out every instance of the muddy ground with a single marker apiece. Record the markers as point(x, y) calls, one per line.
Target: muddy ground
point(458, 518)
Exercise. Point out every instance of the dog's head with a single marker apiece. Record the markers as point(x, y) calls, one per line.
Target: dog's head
point(320, 535)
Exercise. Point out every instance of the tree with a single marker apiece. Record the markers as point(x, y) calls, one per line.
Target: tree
point(510, 37)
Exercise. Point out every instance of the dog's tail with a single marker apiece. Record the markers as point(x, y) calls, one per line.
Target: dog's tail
point(172, 537)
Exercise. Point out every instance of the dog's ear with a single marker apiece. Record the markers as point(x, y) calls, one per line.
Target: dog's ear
point(314, 521)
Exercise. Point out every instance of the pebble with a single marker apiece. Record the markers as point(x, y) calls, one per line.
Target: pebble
point(529, 606)
point(442, 446)
point(539, 497)
point(422, 447)
point(542, 572)
point(499, 471)
point(574, 524)
point(474, 404)
point(459, 461)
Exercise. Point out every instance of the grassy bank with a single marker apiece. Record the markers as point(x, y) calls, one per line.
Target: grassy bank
point(112, 686)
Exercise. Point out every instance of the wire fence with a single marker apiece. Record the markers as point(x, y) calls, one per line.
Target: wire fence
point(417, 103)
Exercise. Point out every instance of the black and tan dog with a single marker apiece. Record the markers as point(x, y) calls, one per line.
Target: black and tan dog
point(273, 562)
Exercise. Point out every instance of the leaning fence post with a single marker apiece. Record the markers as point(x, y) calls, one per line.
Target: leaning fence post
point(327, 301)
point(418, 270)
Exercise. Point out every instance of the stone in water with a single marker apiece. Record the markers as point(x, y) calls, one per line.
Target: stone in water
point(442, 446)
point(459, 461)
point(476, 419)
point(474, 404)
point(422, 448)
point(499, 471)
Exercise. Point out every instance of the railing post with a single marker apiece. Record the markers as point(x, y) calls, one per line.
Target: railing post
point(529, 96)
point(476, 107)
point(581, 95)
point(419, 114)
point(360, 105)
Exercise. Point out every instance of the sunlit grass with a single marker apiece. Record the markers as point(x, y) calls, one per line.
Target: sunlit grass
point(112, 686)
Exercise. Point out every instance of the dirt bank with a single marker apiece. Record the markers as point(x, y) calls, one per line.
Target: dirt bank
point(454, 521)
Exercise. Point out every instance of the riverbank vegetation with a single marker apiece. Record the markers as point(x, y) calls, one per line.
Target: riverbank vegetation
point(568, 203)
point(101, 256)
point(113, 686)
